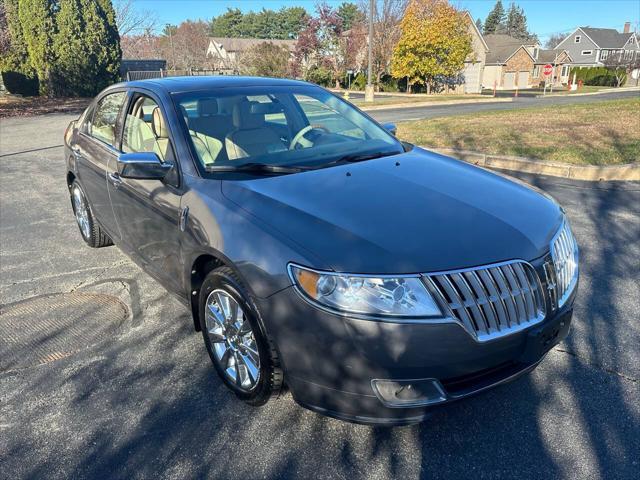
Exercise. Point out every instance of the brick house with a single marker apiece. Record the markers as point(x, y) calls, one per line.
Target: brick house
point(512, 63)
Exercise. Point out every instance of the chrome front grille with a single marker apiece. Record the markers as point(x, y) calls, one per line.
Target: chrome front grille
point(491, 301)
point(564, 252)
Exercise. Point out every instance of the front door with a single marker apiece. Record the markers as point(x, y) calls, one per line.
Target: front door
point(94, 151)
point(148, 211)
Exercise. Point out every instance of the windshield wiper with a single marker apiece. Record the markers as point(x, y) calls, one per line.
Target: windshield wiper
point(357, 157)
point(254, 167)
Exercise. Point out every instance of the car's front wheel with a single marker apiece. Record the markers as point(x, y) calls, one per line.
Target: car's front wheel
point(240, 350)
point(89, 228)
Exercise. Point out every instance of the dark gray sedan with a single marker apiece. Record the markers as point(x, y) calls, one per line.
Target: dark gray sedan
point(375, 278)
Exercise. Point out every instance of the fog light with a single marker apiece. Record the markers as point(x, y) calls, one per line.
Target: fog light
point(409, 393)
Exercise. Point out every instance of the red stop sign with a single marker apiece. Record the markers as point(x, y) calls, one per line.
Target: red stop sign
point(548, 69)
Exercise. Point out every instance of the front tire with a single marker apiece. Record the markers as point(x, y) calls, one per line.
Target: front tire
point(244, 357)
point(91, 232)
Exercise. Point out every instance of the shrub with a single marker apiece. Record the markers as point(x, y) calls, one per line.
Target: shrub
point(320, 75)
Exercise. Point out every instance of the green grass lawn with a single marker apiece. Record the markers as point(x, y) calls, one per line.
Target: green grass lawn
point(598, 133)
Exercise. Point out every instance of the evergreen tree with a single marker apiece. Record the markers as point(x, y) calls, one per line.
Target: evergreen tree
point(111, 53)
point(350, 15)
point(227, 24)
point(479, 24)
point(17, 72)
point(495, 20)
point(87, 48)
point(38, 30)
point(517, 23)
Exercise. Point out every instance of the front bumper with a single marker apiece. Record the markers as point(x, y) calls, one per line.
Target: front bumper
point(331, 360)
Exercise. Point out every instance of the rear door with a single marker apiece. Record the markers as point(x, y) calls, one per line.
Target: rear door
point(148, 211)
point(94, 150)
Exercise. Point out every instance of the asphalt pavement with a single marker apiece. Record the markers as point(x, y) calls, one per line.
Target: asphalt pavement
point(143, 401)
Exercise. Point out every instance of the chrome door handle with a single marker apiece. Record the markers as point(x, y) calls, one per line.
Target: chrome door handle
point(75, 151)
point(115, 179)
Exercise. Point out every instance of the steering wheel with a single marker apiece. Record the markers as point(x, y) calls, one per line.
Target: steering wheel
point(299, 137)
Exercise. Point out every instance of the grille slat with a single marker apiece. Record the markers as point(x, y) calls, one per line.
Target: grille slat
point(491, 301)
point(509, 301)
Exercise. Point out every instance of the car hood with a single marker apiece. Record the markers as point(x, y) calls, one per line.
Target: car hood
point(413, 212)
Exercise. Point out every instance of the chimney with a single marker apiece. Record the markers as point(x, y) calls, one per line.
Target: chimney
point(627, 27)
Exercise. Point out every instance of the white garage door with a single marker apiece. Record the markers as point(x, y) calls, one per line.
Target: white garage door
point(471, 74)
point(523, 79)
point(509, 80)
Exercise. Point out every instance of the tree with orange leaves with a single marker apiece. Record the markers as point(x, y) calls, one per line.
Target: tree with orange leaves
point(434, 43)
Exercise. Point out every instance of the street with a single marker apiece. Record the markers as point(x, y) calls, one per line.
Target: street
point(404, 113)
point(133, 394)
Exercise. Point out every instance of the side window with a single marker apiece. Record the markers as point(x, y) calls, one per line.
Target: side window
point(145, 129)
point(103, 124)
point(320, 115)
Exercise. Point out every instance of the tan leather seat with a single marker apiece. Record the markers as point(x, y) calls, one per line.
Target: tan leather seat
point(251, 137)
point(161, 145)
point(207, 148)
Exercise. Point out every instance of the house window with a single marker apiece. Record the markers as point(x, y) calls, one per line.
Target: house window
point(536, 71)
point(604, 54)
point(535, 53)
point(587, 52)
point(628, 55)
point(577, 39)
point(565, 71)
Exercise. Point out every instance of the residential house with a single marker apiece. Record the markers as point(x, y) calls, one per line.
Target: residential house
point(512, 63)
point(591, 47)
point(475, 62)
point(227, 52)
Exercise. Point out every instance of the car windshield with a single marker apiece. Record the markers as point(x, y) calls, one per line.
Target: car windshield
point(300, 126)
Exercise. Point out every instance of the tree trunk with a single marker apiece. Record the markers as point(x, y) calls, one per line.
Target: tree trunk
point(428, 88)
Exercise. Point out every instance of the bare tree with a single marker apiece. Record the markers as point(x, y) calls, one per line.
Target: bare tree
point(621, 63)
point(131, 21)
point(386, 32)
point(554, 40)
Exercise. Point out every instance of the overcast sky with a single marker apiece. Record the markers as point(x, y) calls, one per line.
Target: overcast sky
point(544, 16)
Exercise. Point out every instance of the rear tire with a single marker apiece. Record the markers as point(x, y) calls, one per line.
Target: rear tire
point(233, 334)
point(91, 232)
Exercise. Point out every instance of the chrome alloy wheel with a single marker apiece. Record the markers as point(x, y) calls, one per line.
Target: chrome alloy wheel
point(82, 212)
point(232, 340)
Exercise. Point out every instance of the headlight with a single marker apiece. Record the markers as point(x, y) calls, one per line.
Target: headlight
point(397, 296)
point(564, 251)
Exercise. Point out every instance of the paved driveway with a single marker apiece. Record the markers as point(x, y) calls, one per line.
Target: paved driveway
point(142, 401)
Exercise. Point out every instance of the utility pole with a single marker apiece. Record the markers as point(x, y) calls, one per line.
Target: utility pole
point(368, 90)
point(173, 53)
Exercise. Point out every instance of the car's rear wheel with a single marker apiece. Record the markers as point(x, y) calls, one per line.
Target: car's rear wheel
point(239, 348)
point(91, 232)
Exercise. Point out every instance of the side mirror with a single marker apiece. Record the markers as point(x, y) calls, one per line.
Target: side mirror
point(391, 128)
point(143, 166)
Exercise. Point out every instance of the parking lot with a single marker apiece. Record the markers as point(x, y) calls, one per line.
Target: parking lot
point(122, 387)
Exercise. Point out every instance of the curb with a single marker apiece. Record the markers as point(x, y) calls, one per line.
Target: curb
point(629, 172)
point(437, 103)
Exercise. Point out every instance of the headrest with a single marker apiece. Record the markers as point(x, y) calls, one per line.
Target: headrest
point(158, 125)
point(207, 106)
point(245, 118)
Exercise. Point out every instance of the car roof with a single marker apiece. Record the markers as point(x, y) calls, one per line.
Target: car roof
point(188, 84)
